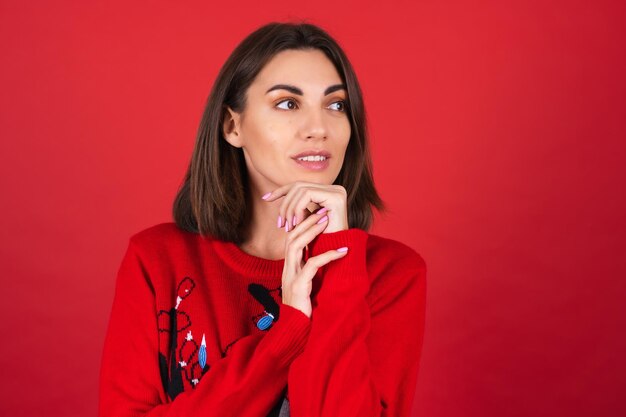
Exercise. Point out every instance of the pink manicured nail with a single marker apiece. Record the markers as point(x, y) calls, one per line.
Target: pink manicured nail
point(322, 210)
point(343, 249)
point(294, 220)
point(280, 221)
point(266, 195)
point(323, 219)
point(286, 226)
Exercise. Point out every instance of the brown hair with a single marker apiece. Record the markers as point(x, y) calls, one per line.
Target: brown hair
point(214, 196)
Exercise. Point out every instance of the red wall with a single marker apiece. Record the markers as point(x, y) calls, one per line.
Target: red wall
point(498, 133)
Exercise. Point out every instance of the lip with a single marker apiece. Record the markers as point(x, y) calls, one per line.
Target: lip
point(313, 165)
point(312, 152)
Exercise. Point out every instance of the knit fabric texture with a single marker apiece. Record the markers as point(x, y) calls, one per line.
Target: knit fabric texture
point(197, 328)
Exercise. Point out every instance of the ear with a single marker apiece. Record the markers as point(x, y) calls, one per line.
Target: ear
point(231, 127)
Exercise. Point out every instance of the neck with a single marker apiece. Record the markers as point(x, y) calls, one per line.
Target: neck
point(264, 238)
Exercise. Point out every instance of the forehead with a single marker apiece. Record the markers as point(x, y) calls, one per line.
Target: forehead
point(311, 70)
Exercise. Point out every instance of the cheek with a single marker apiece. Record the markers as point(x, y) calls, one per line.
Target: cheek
point(272, 134)
point(258, 132)
point(344, 132)
point(265, 143)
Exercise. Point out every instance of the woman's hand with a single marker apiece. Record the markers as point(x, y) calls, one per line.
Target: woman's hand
point(303, 226)
point(297, 279)
point(299, 195)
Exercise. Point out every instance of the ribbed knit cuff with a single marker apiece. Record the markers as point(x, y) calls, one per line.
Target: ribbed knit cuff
point(354, 262)
point(288, 337)
point(350, 271)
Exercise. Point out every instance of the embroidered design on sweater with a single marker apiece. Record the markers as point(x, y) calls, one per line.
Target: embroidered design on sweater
point(189, 360)
point(184, 361)
point(271, 308)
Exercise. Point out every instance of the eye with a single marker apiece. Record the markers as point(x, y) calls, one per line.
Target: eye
point(342, 104)
point(288, 100)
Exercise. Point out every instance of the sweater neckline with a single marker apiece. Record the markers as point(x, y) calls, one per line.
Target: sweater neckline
point(246, 263)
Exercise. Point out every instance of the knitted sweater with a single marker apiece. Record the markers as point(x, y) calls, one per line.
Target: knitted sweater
point(198, 328)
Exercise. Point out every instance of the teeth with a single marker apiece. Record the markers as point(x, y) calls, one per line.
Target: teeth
point(312, 158)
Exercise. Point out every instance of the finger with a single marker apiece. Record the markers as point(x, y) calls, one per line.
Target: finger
point(294, 249)
point(300, 214)
point(302, 236)
point(295, 195)
point(303, 279)
point(283, 191)
point(296, 244)
point(320, 196)
point(280, 191)
point(309, 226)
point(298, 197)
point(300, 209)
point(308, 210)
point(316, 262)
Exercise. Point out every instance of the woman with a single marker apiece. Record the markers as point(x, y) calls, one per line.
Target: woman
point(267, 295)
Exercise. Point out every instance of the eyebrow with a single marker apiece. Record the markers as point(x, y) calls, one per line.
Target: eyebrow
point(295, 90)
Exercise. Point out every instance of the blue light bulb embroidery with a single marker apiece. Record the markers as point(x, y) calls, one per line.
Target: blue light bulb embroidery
point(202, 353)
point(265, 322)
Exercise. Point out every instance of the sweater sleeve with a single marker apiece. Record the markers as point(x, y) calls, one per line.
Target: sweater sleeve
point(246, 382)
point(363, 350)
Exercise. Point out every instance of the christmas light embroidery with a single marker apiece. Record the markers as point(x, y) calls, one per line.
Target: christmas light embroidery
point(188, 360)
point(202, 353)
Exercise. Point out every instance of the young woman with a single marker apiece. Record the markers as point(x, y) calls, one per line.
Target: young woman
point(267, 295)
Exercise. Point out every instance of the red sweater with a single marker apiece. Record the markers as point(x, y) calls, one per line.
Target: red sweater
point(198, 328)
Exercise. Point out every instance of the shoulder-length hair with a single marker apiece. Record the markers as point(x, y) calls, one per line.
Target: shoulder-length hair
point(214, 196)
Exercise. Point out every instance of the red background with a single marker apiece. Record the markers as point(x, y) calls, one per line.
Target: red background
point(498, 134)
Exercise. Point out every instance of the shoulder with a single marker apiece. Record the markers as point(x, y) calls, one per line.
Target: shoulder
point(397, 275)
point(163, 237)
point(391, 262)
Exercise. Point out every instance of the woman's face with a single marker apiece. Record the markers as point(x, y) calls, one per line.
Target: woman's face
point(295, 105)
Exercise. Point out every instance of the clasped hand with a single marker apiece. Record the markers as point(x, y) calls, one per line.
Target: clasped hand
point(302, 226)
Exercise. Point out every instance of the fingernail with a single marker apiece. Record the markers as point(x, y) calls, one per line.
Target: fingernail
point(322, 211)
point(280, 221)
point(323, 219)
point(294, 220)
point(343, 249)
point(286, 226)
point(266, 195)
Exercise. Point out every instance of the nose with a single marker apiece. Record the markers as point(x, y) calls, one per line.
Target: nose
point(314, 125)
